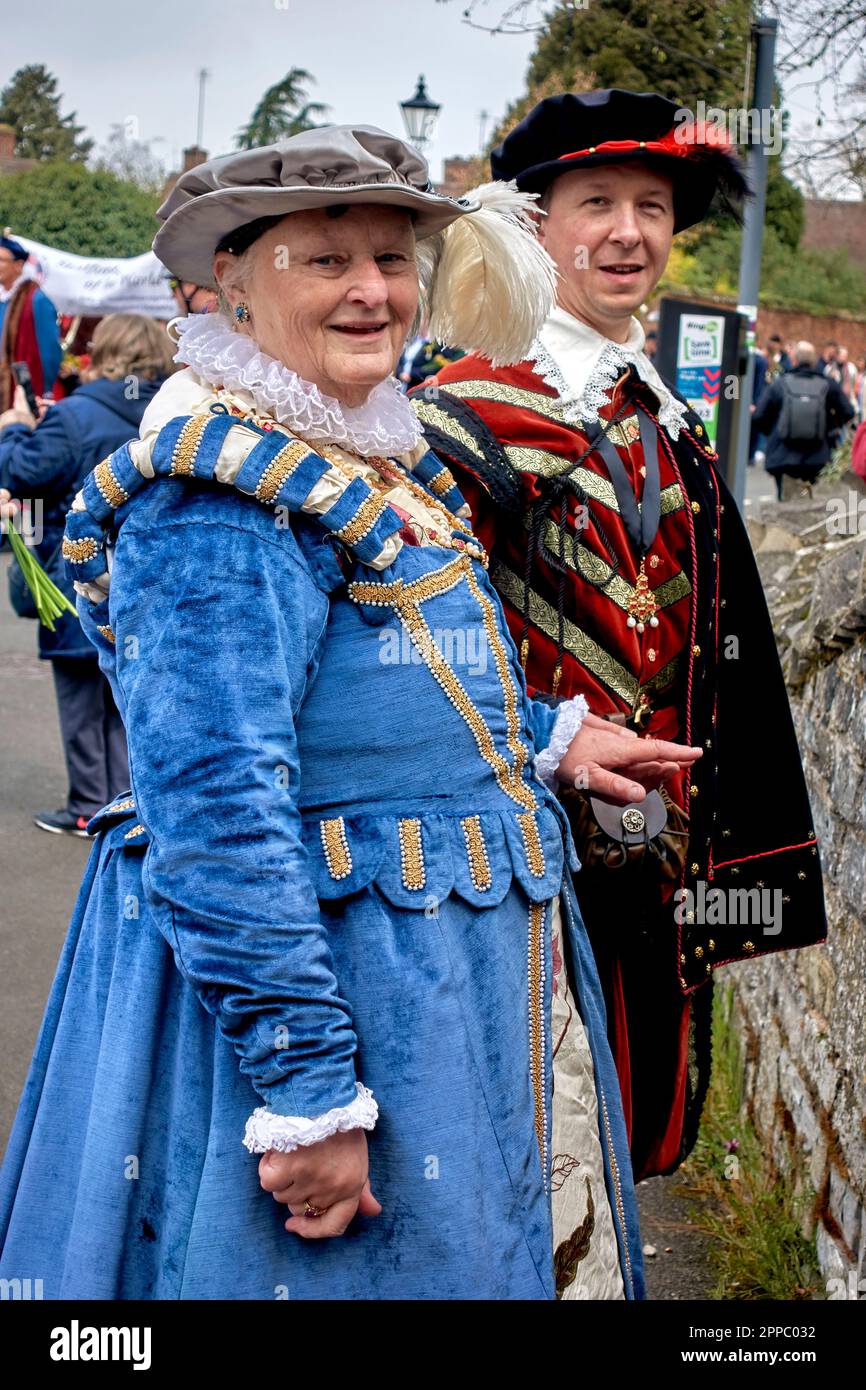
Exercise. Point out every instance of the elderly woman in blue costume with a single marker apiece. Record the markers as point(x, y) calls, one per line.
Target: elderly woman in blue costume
point(332, 923)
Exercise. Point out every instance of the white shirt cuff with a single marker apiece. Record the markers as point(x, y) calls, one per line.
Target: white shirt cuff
point(284, 1133)
point(569, 717)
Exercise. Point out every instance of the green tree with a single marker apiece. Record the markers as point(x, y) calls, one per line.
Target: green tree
point(90, 212)
point(31, 103)
point(283, 110)
point(685, 50)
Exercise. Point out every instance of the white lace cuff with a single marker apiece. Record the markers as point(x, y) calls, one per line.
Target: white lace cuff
point(265, 1130)
point(569, 717)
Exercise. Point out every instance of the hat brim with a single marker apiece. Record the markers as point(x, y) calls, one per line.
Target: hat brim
point(694, 182)
point(186, 242)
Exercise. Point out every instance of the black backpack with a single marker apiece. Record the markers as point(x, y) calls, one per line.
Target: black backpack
point(803, 417)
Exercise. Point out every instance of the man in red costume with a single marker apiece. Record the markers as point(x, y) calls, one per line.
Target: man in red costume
point(627, 576)
point(28, 325)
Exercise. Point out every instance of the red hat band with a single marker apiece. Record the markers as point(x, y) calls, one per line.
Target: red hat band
point(683, 142)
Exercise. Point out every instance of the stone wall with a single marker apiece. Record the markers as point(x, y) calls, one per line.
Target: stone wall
point(802, 1014)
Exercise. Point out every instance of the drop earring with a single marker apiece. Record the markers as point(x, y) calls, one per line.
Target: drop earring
point(242, 313)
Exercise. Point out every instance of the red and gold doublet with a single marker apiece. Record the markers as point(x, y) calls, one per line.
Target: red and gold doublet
point(511, 438)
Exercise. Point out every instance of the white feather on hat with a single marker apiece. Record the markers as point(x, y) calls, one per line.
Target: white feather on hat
point(488, 283)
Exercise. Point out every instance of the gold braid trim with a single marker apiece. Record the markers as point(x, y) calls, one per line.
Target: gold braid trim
point(532, 844)
point(335, 844)
point(112, 492)
point(476, 853)
point(536, 1031)
point(362, 523)
point(280, 468)
point(441, 482)
point(79, 551)
point(187, 446)
point(412, 867)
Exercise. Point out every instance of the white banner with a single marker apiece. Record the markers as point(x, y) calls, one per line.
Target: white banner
point(98, 285)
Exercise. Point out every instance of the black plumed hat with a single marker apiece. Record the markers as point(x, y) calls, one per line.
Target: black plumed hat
point(579, 130)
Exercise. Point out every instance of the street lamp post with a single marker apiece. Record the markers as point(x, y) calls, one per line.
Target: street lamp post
point(420, 115)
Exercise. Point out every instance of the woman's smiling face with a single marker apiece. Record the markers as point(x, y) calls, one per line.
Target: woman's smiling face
point(333, 298)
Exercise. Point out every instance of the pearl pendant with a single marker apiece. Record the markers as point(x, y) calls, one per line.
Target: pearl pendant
point(640, 627)
point(654, 622)
point(631, 621)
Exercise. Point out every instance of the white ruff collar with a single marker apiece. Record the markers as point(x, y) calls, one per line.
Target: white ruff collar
point(582, 366)
point(384, 424)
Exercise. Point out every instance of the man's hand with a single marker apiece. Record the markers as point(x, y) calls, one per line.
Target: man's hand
point(642, 763)
point(332, 1174)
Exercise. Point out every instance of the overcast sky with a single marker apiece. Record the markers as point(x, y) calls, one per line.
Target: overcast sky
point(118, 61)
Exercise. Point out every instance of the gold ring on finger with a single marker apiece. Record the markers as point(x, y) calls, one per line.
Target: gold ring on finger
point(310, 1210)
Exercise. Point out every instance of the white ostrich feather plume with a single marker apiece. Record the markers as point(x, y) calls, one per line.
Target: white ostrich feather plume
point(489, 284)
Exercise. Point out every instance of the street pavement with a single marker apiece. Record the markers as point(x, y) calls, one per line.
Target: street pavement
point(39, 873)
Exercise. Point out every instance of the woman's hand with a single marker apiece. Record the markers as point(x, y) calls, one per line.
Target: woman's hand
point(331, 1174)
point(643, 763)
point(9, 508)
point(20, 414)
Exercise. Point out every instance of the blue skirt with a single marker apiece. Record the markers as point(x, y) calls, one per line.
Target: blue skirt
point(125, 1175)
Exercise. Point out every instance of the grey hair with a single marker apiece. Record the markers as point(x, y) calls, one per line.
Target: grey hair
point(235, 276)
point(805, 354)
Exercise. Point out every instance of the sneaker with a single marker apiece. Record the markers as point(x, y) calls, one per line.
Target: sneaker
point(62, 823)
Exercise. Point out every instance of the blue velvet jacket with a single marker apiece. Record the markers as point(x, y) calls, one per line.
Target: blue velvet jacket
point(333, 800)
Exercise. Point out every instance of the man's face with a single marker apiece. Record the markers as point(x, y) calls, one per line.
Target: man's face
point(10, 269)
point(609, 230)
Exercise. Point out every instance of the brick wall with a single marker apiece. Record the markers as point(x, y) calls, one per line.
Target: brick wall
point(802, 1014)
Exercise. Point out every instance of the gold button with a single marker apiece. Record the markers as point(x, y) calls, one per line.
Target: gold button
point(723, 603)
point(708, 743)
point(696, 651)
point(693, 791)
point(735, 872)
point(699, 951)
point(801, 874)
point(682, 958)
point(726, 834)
point(711, 945)
point(709, 968)
point(696, 868)
point(696, 507)
point(748, 945)
point(699, 429)
point(760, 883)
point(651, 654)
point(654, 562)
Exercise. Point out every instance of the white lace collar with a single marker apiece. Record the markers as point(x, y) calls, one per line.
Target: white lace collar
point(384, 424)
point(582, 366)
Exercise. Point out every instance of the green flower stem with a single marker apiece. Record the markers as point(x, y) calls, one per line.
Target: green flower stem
point(49, 600)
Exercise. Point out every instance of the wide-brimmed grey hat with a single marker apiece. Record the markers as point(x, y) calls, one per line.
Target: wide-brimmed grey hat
point(318, 168)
